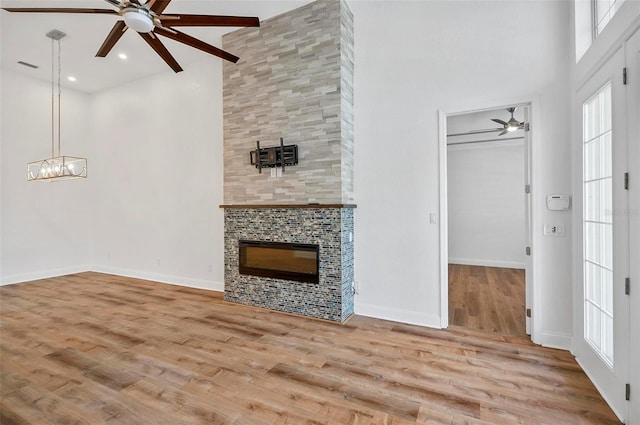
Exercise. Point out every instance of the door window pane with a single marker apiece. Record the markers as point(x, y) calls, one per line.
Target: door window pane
point(597, 226)
point(597, 152)
point(606, 280)
point(594, 326)
point(598, 201)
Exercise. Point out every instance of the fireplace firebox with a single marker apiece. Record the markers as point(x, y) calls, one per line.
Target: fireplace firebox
point(289, 261)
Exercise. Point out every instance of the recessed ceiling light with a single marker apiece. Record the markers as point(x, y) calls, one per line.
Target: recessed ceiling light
point(122, 56)
point(71, 78)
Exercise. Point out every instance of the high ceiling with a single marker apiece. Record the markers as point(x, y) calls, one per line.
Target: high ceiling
point(22, 38)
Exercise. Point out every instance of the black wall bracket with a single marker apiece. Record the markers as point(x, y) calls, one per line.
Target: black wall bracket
point(274, 156)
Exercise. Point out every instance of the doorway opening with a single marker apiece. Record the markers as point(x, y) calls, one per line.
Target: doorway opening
point(488, 219)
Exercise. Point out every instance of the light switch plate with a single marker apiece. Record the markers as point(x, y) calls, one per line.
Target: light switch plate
point(554, 229)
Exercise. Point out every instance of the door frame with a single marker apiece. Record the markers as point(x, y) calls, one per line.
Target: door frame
point(530, 287)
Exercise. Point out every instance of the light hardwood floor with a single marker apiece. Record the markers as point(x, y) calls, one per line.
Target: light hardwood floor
point(489, 299)
point(93, 348)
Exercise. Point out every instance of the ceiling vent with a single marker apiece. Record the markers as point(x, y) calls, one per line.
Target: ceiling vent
point(30, 65)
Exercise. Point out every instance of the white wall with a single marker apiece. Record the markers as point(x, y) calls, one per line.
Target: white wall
point(158, 177)
point(486, 204)
point(44, 228)
point(451, 56)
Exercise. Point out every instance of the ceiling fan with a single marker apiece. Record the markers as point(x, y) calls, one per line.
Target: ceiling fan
point(146, 17)
point(511, 125)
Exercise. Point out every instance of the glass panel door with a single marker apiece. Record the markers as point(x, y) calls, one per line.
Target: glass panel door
point(602, 334)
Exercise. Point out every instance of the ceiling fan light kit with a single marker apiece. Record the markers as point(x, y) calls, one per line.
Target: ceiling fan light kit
point(58, 167)
point(146, 18)
point(138, 20)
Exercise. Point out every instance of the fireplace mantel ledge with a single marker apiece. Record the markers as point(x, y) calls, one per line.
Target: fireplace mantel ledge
point(275, 206)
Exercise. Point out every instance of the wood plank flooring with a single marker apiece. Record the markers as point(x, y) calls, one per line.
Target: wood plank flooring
point(489, 299)
point(100, 349)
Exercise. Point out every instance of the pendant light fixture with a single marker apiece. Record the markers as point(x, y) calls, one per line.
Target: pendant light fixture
point(58, 167)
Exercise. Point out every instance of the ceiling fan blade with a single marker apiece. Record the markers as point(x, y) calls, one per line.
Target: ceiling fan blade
point(504, 132)
point(157, 45)
point(499, 121)
point(179, 20)
point(59, 10)
point(159, 6)
point(116, 32)
point(116, 3)
point(198, 44)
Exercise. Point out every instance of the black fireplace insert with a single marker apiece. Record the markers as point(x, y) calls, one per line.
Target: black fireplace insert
point(290, 261)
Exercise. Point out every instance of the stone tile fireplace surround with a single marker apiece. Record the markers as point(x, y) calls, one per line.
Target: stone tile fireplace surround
point(330, 228)
point(294, 80)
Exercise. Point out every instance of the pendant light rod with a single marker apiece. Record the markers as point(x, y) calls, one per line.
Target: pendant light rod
point(53, 126)
point(56, 35)
point(59, 98)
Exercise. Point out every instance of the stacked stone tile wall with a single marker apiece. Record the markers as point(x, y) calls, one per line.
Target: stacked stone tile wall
point(346, 101)
point(329, 228)
point(294, 80)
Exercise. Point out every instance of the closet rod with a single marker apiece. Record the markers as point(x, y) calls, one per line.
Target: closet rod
point(467, 133)
point(486, 140)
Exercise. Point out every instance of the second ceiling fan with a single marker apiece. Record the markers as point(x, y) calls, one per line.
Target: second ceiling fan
point(511, 125)
point(146, 17)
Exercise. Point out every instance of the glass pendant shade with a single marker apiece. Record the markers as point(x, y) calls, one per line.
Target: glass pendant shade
point(57, 168)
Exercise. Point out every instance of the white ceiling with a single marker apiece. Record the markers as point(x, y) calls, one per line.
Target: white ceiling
point(22, 38)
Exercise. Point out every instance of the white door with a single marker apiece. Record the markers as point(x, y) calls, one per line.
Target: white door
point(633, 136)
point(528, 226)
point(602, 344)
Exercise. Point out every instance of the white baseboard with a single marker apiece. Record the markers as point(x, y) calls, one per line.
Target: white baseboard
point(487, 263)
point(42, 274)
point(397, 315)
point(554, 340)
point(163, 278)
point(157, 277)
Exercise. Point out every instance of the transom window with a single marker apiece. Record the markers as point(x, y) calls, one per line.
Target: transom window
point(603, 11)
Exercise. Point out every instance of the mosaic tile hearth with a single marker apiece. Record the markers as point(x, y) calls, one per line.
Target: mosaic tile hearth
point(329, 228)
